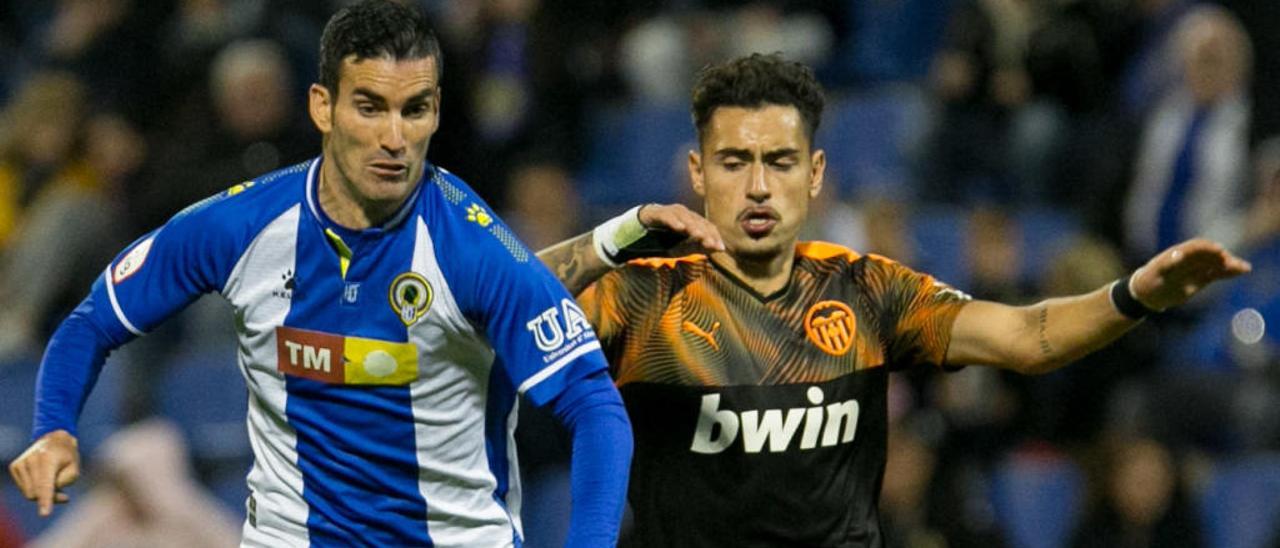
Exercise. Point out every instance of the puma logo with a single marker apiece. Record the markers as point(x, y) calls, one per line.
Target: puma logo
point(709, 336)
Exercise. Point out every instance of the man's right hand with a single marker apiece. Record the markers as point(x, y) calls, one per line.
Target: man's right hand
point(51, 463)
point(701, 236)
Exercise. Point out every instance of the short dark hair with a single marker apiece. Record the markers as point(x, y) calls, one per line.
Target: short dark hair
point(753, 82)
point(375, 28)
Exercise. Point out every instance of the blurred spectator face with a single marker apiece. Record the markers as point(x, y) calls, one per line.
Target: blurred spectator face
point(115, 148)
point(1143, 481)
point(994, 248)
point(251, 88)
point(543, 197)
point(510, 11)
point(1215, 53)
point(45, 118)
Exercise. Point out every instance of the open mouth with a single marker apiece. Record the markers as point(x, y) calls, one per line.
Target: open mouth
point(758, 222)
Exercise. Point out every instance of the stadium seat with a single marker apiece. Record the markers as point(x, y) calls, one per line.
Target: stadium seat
point(1037, 498)
point(940, 236)
point(205, 396)
point(869, 137)
point(1045, 232)
point(636, 156)
point(1240, 505)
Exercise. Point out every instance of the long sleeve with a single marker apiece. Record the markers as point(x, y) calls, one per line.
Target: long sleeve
point(593, 412)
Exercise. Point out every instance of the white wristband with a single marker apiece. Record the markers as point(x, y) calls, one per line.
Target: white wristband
point(617, 233)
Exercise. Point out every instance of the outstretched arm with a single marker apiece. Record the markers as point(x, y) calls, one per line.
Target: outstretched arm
point(650, 230)
point(1050, 334)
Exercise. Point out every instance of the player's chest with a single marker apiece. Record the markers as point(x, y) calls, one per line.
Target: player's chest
point(711, 334)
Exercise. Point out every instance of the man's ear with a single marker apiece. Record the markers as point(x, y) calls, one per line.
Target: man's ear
point(320, 106)
point(696, 173)
point(819, 170)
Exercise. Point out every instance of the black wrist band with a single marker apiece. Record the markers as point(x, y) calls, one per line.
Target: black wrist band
point(1125, 302)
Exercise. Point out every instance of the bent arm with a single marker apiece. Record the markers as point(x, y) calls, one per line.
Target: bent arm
point(646, 231)
point(1052, 333)
point(575, 263)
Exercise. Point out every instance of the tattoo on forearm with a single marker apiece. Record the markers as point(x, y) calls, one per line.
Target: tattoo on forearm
point(1045, 348)
point(567, 262)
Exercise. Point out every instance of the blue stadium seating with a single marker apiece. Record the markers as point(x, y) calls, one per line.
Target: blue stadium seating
point(204, 395)
point(869, 137)
point(1240, 505)
point(636, 156)
point(1037, 499)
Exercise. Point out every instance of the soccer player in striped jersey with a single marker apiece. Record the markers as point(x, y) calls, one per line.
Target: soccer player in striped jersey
point(387, 323)
point(756, 373)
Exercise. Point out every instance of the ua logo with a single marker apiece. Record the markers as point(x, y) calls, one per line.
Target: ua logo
point(555, 325)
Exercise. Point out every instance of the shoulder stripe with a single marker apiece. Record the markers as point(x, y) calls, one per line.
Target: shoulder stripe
point(825, 250)
point(115, 305)
point(557, 366)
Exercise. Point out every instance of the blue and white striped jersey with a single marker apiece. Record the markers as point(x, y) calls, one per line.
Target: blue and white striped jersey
point(383, 365)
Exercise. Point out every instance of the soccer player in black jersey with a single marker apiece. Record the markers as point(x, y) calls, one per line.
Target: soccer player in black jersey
point(755, 371)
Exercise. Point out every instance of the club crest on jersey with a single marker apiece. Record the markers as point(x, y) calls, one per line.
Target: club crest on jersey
point(132, 261)
point(410, 297)
point(831, 326)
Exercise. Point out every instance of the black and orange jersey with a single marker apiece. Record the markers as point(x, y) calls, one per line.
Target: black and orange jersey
point(761, 420)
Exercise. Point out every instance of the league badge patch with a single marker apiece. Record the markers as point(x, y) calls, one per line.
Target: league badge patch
point(132, 261)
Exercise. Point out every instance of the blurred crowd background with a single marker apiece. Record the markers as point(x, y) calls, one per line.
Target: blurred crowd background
point(1013, 148)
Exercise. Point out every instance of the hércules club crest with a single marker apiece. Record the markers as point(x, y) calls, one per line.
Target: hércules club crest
point(410, 297)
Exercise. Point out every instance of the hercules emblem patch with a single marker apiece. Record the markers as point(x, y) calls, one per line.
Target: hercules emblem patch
point(410, 297)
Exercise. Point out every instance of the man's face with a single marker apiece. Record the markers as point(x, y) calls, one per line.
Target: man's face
point(757, 172)
point(377, 125)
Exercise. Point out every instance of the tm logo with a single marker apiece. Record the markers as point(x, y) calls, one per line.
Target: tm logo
point(829, 425)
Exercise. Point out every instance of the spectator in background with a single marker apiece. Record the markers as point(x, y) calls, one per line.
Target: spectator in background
point(37, 139)
point(1190, 173)
point(1141, 503)
point(257, 129)
point(59, 179)
point(542, 204)
point(147, 498)
point(979, 80)
point(912, 515)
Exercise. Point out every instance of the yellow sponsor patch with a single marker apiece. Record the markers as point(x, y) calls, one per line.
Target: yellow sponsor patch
point(371, 361)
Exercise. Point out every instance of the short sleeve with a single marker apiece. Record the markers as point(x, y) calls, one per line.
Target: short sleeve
point(917, 312)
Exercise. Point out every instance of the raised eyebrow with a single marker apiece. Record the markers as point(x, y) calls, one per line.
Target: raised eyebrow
point(369, 95)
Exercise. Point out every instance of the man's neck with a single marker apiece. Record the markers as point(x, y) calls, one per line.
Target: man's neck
point(765, 276)
point(343, 207)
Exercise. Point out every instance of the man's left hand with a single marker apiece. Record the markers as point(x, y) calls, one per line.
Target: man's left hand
point(1177, 273)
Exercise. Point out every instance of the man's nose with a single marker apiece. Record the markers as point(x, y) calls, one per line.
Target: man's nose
point(392, 138)
point(758, 189)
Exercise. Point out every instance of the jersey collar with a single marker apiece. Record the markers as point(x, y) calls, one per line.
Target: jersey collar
point(313, 201)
